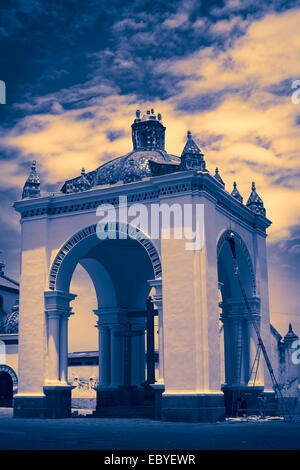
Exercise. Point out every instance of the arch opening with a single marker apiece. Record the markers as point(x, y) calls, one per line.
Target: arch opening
point(119, 269)
point(238, 342)
point(6, 389)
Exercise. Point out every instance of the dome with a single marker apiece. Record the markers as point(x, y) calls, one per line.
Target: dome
point(134, 166)
point(148, 158)
point(11, 324)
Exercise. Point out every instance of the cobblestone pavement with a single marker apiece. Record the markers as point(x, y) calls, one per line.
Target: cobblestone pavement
point(134, 434)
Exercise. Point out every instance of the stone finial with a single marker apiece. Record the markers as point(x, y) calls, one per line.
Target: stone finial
point(255, 203)
point(32, 185)
point(218, 177)
point(83, 183)
point(290, 336)
point(235, 193)
point(192, 158)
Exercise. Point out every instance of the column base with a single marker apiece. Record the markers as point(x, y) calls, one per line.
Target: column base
point(58, 401)
point(206, 408)
point(29, 406)
point(125, 402)
point(250, 395)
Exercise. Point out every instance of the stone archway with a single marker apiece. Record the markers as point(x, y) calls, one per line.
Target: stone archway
point(89, 233)
point(239, 337)
point(123, 269)
point(8, 385)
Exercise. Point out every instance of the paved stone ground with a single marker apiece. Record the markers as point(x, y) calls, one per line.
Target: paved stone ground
point(119, 434)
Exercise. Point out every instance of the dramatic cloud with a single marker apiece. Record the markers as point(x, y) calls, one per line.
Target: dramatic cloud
point(222, 70)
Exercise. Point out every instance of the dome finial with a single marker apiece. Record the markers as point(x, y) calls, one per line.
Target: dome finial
point(290, 336)
point(218, 177)
point(83, 184)
point(255, 203)
point(192, 158)
point(32, 185)
point(235, 193)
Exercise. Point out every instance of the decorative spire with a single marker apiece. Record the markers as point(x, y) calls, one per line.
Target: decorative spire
point(32, 185)
point(255, 203)
point(218, 177)
point(148, 132)
point(235, 193)
point(290, 336)
point(192, 158)
point(83, 183)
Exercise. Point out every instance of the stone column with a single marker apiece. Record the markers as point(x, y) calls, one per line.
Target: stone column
point(57, 389)
point(253, 344)
point(116, 356)
point(64, 319)
point(158, 301)
point(104, 356)
point(228, 344)
point(53, 347)
point(143, 358)
point(137, 355)
point(238, 351)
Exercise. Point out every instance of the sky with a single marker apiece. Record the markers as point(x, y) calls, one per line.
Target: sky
point(75, 72)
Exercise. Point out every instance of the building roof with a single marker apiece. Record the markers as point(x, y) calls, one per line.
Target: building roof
point(147, 159)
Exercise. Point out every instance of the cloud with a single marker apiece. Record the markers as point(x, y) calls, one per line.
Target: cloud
point(223, 72)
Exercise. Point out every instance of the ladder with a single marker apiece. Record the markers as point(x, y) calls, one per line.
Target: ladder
point(261, 345)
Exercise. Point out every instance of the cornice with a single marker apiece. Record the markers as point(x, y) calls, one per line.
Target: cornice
point(148, 190)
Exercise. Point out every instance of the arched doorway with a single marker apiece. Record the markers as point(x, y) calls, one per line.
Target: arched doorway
point(6, 390)
point(243, 375)
point(8, 385)
point(120, 268)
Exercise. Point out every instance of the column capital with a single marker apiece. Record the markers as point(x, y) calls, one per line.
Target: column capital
point(110, 315)
point(57, 303)
point(237, 306)
point(157, 284)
